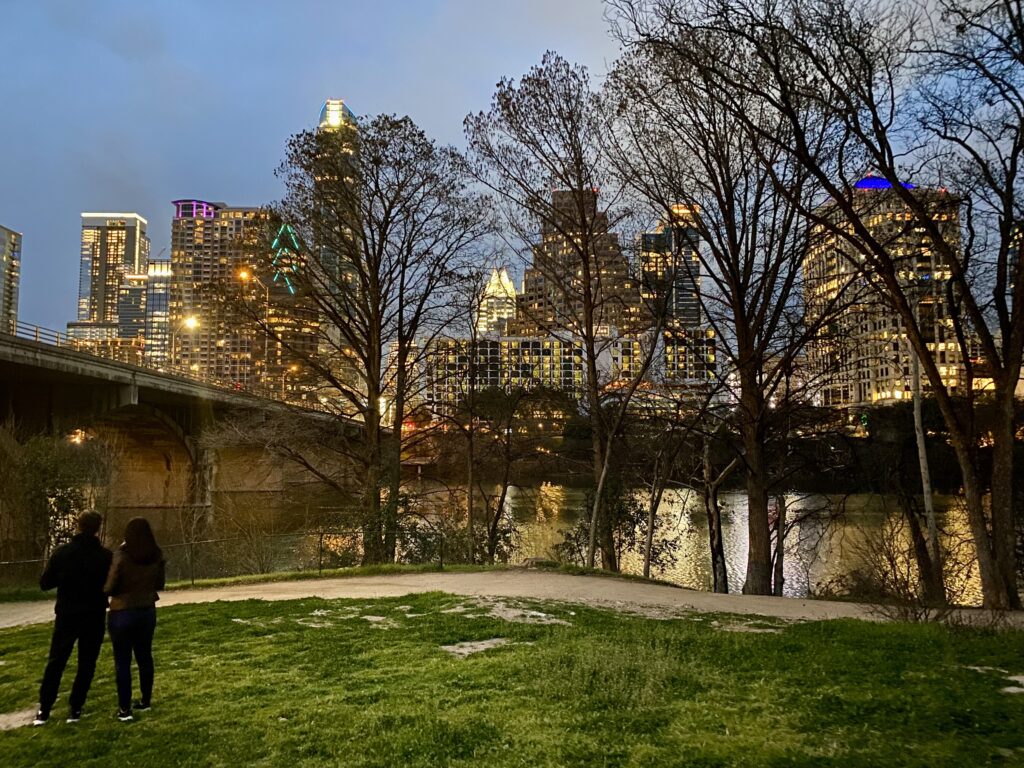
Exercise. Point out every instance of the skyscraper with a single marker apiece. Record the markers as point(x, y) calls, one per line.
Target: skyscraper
point(497, 304)
point(114, 245)
point(335, 113)
point(207, 337)
point(10, 277)
point(863, 356)
point(553, 286)
point(671, 281)
point(158, 317)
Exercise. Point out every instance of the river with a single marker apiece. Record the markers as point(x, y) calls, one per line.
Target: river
point(829, 538)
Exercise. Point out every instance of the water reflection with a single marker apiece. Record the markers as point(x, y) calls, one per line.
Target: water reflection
point(829, 537)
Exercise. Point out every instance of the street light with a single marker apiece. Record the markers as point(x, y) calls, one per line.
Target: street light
point(293, 368)
point(190, 323)
point(247, 276)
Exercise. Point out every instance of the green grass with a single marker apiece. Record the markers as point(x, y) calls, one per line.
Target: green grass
point(263, 684)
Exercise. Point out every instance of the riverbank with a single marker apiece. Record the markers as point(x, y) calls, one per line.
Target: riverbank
point(436, 679)
point(624, 595)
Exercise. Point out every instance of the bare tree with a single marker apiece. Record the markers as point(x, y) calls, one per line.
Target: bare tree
point(385, 224)
point(538, 149)
point(679, 146)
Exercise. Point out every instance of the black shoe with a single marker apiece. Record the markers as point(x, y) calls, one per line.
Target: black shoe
point(141, 706)
point(41, 718)
point(125, 715)
point(74, 716)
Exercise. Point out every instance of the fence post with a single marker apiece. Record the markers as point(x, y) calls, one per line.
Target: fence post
point(320, 555)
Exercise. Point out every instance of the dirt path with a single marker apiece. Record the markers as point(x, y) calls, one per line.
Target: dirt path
point(604, 592)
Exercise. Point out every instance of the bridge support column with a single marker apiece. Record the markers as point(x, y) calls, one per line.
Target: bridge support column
point(200, 487)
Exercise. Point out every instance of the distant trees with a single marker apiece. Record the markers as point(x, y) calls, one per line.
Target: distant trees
point(860, 85)
point(676, 144)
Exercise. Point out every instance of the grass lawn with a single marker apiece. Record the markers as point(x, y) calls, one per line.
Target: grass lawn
point(365, 683)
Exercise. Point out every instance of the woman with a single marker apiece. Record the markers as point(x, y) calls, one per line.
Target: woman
point(136, 574)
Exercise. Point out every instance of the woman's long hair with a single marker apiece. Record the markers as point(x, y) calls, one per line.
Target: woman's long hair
point(139, 541)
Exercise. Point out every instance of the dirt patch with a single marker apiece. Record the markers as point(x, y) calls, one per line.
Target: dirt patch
point(11, 720)
point(462, 650)
point(506, 612)
point(1019, 684)
point(742, 627)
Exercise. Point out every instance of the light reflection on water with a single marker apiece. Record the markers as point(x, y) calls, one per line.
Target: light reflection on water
point(816, 551)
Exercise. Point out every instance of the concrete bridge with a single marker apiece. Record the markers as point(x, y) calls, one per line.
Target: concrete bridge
point(154, 420)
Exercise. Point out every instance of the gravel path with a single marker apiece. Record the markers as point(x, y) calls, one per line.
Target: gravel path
point(598, 591)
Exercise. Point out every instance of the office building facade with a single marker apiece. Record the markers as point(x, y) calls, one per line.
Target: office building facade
point(553, 285)
point(10, 279)
point(115, 247)
point(497, 306)
point(207, 336)
point(862, 355)
point(158, 313)
point(671, 283)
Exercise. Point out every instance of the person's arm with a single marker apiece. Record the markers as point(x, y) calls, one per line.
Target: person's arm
point(161, 575)
point(54, 570)
point(113, 575)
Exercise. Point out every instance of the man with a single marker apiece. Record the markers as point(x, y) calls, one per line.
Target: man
point(78, 570)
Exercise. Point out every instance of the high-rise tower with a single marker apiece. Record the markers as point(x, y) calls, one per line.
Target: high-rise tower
point(497, 304)
point(863, 355)
point(207, 337)
point(10, 277)
point(671, 282)
point(113, 245)
point(335, 113)
point(553, 286)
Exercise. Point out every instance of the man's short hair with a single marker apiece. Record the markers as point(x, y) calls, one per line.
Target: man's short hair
point(90, 523)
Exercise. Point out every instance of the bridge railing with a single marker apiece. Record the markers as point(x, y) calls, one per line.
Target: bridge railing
point(132, 352)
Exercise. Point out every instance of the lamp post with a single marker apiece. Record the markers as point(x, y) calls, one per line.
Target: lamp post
point(284, 375)
point(247, 276)
point(190, 323)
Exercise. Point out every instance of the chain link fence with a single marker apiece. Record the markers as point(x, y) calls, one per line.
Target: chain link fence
point(255, 554)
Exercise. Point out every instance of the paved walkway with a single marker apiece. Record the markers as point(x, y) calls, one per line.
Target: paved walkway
point(598, 591)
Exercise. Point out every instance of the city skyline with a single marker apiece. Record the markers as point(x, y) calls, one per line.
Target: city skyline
point(156, 120)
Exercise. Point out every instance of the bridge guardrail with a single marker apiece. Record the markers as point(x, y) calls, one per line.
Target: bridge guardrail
point(132, 354)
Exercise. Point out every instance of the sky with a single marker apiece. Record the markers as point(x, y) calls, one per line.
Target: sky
point(125, 105)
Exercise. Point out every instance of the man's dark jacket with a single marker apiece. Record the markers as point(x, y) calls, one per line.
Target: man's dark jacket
point(78, 570)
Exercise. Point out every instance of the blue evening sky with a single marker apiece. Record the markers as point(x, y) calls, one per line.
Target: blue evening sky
point(125, 105)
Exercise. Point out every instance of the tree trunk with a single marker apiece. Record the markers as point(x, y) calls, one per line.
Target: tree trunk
point(1004, 529)
point(935, 589)
point(779, 560)
point(657, 490)
point(469, 493)
point(932, 589)
point(993, 588)
point(494, 522)
point(759, 546)
point(719, 573)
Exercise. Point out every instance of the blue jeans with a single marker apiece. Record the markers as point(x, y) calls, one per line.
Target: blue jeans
point(131, 633)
